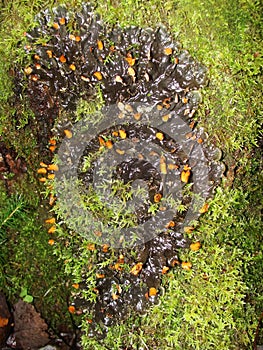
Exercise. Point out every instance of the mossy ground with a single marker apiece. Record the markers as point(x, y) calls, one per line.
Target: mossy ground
point(216, 305)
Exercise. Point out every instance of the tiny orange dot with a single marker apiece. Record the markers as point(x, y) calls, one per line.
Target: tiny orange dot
point(52, 148)
point(62, 21)
point(157, 197)
point(62, 59)
point(50, 221)
point(72, 67)
point(186, 265)
point(42, 171)
point(49, 53)
point(68, 134)
point(72, 309)
point(109, 144)
point(52, 229)
point(52, 142)
point(98, 75)
point(100, 45)
point(51, 176)
point(56, 26)
point(168, 51)
point(53, 167)
point(152, 292)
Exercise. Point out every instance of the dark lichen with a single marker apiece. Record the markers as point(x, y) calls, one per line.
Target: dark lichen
point(71, 56)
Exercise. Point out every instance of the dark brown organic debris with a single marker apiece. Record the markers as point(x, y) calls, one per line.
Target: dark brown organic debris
point(30, 330)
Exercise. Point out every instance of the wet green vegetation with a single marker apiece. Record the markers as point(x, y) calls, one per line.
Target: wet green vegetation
point(215, 305)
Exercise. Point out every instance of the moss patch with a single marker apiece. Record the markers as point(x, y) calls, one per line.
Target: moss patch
point(215, 305)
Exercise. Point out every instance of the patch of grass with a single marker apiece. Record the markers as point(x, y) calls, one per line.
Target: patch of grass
point(29, 263)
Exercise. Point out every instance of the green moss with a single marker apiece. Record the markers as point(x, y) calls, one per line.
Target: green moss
point(29, 263)
point(215, 305)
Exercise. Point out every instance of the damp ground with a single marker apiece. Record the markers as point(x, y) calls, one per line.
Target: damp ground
point(222, 288)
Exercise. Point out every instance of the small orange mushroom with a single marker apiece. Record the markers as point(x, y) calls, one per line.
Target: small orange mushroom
point(91, 246)
point(52, 229)
point(51, 176)
point(204, 208)
point(68, 133)
point(50, 221)
point(168, 51)
point(72, 309)
point(62, 20)
point(195, 246)
point(108, 144)
point(100, 45)
point(72, 67)
point(136, 269)
point(3, 322)
point(105, 248)
point(98, 75)
point(123, 134)
point(188, 229)
point(55, 26)
point(52, 199)
point(28, 70)
point(166, 117)
point(159, 136)
point(185, 174)
point(62, 59)
point(130, 60)
point(49, 53)
point(52, 142)
point(165, 269)
point(186, 265)
point(52, 148)
point(152, 292)
point(42, 171)
point(157, 197)
point(43, 165)
point(53, 167)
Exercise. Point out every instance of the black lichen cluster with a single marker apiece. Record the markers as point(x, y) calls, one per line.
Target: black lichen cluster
point(73, 55)
point(121, 292)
